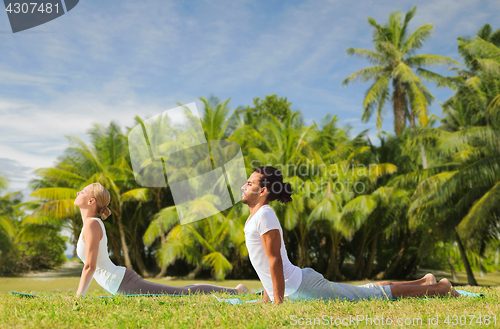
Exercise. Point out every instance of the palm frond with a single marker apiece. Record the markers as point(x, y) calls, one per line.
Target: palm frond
point(374, 94)
point(138, 194)
point(416, 39)
point(219, 264)
point(364, 75)
point(483, 212)
point(355, 213)
point(370, 55)
point(54, 193)
point(7, 226)
point(437, 78)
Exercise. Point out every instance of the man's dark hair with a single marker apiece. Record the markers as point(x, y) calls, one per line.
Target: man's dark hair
point(272, 179)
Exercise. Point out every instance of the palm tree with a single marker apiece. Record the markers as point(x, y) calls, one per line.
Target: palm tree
point(479, 88)
point(216, 121)
point(467, 191)
point(105, 161)
point(203, 243)
point(10, 216)
point(356, 206)
point(395, 61)
point(217, 125)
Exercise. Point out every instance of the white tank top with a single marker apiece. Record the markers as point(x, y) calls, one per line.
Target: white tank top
point(108, 275)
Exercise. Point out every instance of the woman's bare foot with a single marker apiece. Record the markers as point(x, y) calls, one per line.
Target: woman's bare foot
point(241, 289)
point(429, 278)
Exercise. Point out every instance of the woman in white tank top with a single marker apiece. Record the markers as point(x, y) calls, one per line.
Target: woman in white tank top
point(92, 248)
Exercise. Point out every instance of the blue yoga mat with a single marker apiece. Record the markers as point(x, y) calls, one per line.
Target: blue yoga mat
point(470, 294)
point(237, 301)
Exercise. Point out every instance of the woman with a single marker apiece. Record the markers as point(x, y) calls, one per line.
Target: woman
point(92, 249)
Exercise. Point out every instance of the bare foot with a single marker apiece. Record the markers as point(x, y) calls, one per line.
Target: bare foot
point(447, 288)
point(429, 279)
point(455, 293)
point(241, 289)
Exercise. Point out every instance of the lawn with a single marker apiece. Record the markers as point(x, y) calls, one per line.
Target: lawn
point(63, 310)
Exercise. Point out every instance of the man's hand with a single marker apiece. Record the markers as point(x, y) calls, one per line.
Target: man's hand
point(265, 297)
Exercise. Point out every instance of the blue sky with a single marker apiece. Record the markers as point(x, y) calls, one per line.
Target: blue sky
point(113, 60)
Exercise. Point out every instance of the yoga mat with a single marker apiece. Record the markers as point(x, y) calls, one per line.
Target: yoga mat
point(463, 293)
point(469, 294)
point(20, 294)
point(237, 301)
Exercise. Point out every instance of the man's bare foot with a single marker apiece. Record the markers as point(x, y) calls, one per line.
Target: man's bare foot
point(455, 293)
point(447, 288)
point(241, 289)
point(429, 278)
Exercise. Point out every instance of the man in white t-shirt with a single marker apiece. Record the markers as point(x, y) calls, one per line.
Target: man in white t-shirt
point(280, 278)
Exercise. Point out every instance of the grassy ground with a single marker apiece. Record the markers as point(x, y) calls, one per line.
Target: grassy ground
point(63, 310)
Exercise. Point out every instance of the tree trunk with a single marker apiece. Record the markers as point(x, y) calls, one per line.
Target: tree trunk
point(359, 262)
point(400, 106)
point(140, 264)
point(237, 264)
point(333, 269)
point(454, 276)
point(424, 157)
point(371, 259)
point(304, 260)
point(496, 258)
point(481, 272)
point(163, 270)
point(115, 248)
point(395, 262)
point(126, 255)
point(75, 243)
point(194, 272)
point(471, 280)
point(321, 256)
point(76, 226)
point(157, 191)
point(3, 257)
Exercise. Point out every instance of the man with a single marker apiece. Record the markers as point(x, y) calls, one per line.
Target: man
point(280, 278)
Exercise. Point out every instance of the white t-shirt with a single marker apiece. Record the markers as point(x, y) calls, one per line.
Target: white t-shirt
point(263, 221)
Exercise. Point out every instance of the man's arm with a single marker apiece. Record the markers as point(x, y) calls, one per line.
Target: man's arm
point(272, 245)
point(265, 297)
point(93, 234)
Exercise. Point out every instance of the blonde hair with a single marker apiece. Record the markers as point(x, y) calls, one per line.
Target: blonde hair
point(102, 198)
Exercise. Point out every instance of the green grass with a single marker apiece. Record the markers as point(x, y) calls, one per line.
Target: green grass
point(63, 310)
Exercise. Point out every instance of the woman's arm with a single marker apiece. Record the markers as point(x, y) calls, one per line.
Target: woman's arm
point(92, 234)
